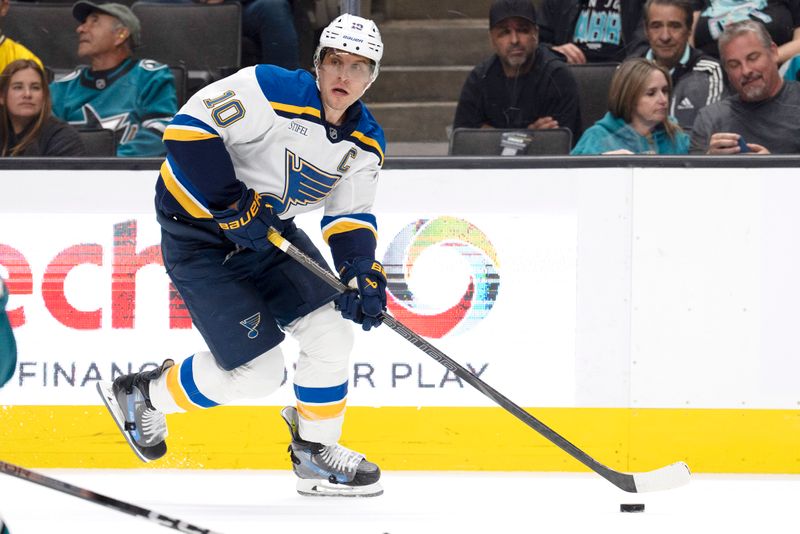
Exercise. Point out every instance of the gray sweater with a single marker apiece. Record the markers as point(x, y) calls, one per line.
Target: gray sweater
point(773, 123)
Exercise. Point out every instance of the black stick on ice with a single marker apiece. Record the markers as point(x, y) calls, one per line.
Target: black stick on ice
point(670, 476)
point(102, 500)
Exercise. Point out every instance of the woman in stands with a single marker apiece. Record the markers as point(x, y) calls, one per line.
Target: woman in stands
point(27, 126)
point(637, 121)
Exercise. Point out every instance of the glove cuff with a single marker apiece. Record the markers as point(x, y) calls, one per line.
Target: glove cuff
point(358, 266)
point(247, 210)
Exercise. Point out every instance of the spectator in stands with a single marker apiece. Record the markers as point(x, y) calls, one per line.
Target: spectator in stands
point(269, 24)
point(764, 115)
point(638, 120)
point(697, 79)
point(780, 17)
point(28, 127)
point(524, 84)
point(11, 50)
point(134, 97)
point(592, 31)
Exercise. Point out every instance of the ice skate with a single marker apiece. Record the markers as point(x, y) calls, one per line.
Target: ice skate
point(330, 470)
point(128, 401)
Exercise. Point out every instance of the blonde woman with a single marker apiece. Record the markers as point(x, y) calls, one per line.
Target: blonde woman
point(27, 127)
point(637, 121)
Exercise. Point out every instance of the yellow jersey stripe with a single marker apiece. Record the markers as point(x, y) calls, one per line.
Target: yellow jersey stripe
point(318, 412)
point(174, 133)
point(346, 225)
point(194, 208)
point(176, 391)
point(370, 142)
point(297, 110)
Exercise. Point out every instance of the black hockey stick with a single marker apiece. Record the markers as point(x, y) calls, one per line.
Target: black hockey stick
point(670, 476)
point(110, 502)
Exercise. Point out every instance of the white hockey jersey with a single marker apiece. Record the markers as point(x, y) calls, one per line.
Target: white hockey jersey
point(263, 128)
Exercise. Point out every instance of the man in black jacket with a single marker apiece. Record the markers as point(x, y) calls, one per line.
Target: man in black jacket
point(523, 85)
point(592, 31)
point(697, 79)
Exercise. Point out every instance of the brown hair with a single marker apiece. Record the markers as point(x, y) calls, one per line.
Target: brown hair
point(5, 121)
point(628, 86)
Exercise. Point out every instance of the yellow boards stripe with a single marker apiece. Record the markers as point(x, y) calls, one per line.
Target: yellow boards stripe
point(427, 438)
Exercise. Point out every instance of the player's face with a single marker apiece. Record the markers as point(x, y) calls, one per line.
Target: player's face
point(25, 97)
point(343, 78)
point(98, 34)
point(514, 40)
point(651, 109)
point(752, 68)
point(668, 33)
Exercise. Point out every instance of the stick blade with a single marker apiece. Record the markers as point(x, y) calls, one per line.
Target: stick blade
point(664, 478)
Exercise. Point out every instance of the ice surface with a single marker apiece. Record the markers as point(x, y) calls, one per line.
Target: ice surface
point(244, 502)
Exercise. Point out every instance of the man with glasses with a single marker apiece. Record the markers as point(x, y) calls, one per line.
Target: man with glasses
point(247, 153)
point(523, 84)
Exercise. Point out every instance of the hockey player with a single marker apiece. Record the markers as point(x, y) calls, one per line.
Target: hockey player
point(247, 153)
point(8, 347)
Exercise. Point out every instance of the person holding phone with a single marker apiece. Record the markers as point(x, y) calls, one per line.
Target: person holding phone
point(763, 116)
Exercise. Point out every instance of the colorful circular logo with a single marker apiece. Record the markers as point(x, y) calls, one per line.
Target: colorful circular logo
point(472, 246)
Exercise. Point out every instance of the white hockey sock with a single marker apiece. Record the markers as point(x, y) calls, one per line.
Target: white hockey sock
point(199, 382)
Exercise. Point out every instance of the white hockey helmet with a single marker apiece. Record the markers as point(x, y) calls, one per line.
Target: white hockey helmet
point(353, 34)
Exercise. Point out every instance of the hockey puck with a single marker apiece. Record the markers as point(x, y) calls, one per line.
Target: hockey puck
point(631, 507)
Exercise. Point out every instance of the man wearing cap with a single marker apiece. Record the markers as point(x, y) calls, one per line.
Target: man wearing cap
point(523, 85)
point(133, 97)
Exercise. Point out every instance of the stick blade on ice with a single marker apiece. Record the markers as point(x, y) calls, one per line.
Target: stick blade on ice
point(667, 477)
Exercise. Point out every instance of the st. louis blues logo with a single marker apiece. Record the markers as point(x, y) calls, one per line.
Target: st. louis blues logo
point(251, 323)
point(305, 184)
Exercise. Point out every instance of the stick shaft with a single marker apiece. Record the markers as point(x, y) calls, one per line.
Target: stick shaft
point(621, 480)
point(103, 500)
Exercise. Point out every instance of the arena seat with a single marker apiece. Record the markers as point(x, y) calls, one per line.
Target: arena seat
point(489, 141)
point(47, 29)
point(594, 80)
point(98, 142)
point(205, 38)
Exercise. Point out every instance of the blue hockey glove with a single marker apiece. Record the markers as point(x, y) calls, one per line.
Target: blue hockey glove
point(247, 225)
point(366, 305)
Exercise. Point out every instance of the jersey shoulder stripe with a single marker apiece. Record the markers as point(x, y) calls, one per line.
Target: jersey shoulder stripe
point(183, 191)
point(296, 88)
point(187, 128)
point(369, 134)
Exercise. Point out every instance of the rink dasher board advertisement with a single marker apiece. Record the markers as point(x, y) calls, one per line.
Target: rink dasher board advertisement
point(655, 303)
point(99, 304)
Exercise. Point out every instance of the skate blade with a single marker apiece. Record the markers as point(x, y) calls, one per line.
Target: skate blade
point(106, 391)
point(323, 488)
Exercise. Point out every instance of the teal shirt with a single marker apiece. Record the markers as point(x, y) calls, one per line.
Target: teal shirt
point(136, 99)
point(792, 69)
point(612, 133)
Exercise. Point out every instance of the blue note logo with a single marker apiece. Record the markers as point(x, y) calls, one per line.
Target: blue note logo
point(305, 184)
point(251, 323)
